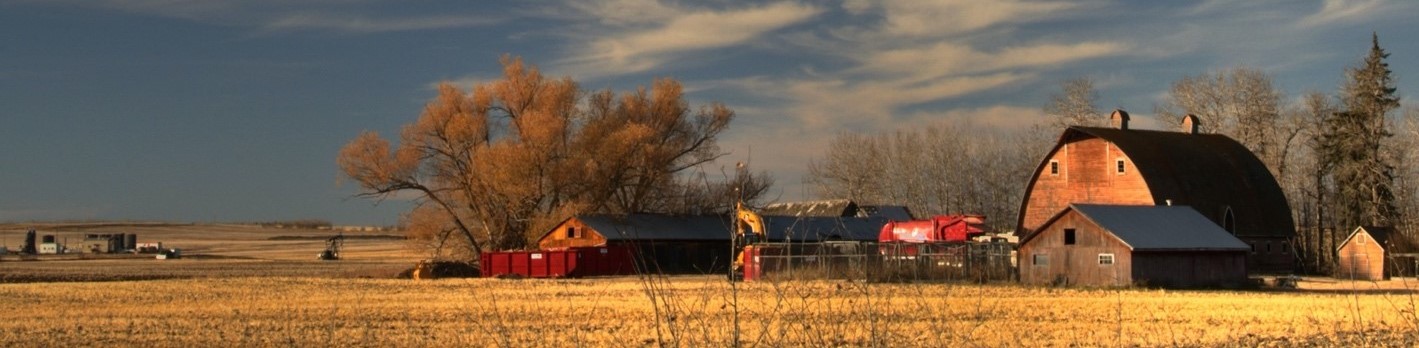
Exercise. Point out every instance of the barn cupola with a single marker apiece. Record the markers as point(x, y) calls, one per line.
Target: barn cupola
point(1119, 119)
point(1190, 124)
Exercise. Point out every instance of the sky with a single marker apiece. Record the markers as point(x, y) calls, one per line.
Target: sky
point(234, 111)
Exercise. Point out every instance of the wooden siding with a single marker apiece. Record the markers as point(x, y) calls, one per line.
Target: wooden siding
point(1361, 258)
point(1270, 255)
point(1190, 268)
point(1076, 264)
point(1087, 174)
point(581, 236)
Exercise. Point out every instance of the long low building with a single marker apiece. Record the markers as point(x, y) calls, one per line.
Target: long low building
point(695, 244)
point(1116, 245)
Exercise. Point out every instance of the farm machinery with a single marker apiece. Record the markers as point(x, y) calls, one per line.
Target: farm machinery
point(905, 239)
point(748, 230)
point(332, 248)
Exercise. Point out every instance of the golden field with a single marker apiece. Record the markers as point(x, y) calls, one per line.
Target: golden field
point(680, 311)
point(255, 291)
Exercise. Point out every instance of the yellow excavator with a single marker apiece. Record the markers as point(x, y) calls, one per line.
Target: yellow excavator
point(745, 218)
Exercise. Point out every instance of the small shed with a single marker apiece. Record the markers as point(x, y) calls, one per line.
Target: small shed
point(1363, 254)
point(1118, 245)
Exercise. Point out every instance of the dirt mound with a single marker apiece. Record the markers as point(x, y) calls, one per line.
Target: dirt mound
point(447, 269)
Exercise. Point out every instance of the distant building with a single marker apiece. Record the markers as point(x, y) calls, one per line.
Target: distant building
point(1363, 254)
point(1114, 245)
point(52, 248)
point(1213, 174)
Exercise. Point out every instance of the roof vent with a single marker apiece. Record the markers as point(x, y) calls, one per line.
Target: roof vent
point(1119, 119)
point(1190, 124)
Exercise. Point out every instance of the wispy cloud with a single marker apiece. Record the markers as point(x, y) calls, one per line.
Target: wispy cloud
point(646, 46)
point(366, 24)
point(932, 18)
point(1336, 11)
point(342, 16)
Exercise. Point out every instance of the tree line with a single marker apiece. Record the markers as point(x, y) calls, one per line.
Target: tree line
point(1343, 160)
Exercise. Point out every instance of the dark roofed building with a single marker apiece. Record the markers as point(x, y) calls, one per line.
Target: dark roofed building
point(1117, 245)
point(823, 208)
point(696, 244)
point(837, 208)
point(1212, 173)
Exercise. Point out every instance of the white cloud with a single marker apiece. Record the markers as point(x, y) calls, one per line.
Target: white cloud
point(365, 24)
point(647, 47)
point(934, 18)
point(347, 16)
point(950, 58)
point(1334, 11)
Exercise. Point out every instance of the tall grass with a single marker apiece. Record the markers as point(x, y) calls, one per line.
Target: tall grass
point(688, 311)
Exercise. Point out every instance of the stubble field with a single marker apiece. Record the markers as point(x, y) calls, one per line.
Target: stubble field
point(251, 300)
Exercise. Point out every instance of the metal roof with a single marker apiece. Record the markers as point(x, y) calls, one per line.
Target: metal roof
point(718, 228)
point(823, 208)
point(890, 212)
point(659, 227)
point(812, 229)
point(1150, 227)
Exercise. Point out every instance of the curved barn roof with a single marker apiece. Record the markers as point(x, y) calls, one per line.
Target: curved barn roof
point(1210, 172)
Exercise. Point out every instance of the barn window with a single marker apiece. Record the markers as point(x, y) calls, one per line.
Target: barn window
point(1054, 167)
point(571, 232)
point(1253, 248)
point(1068, 236)
point(1285, 248)
point(1119, 165)
point(1229, 222)
point(1106, 259)
point(1041, 260)
point(1360, 239)
point(1268, 247)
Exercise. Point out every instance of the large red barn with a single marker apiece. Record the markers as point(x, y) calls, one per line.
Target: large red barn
point(1212, 173)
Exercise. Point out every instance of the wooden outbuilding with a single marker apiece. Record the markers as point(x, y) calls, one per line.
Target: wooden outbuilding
point(1116, 245)
point(1212, 173)
point(1363, 254)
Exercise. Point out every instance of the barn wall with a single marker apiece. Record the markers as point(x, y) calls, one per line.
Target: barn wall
point(1361, 259)
point(1076, 264)
point(1087, 174)
point(681, 257)
point(580, 236)
point(1190, 268)
point(1271, 255)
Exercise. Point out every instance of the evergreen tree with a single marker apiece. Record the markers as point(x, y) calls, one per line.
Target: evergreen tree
point(1352, 140)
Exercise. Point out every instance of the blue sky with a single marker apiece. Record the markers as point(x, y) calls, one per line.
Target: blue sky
point(222, 110)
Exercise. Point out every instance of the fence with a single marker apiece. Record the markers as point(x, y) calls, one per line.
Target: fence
point(882, 262)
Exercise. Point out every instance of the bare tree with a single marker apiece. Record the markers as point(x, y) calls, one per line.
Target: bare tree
point(939, 169)
point(500, 164)
point(1242, 103)
point(1075, 105)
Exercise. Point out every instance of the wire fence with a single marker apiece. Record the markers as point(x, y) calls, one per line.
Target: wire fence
point(884, 262)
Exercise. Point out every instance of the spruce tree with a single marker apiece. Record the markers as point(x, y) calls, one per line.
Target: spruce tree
point(1352, 140)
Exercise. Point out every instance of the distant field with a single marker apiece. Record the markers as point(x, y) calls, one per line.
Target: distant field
point(209, 250)
point(250, 286)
